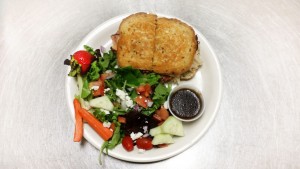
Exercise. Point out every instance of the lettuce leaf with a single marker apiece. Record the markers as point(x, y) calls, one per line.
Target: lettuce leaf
point(115, 140)
point(89, 49)
point(107, 62)
point(93, 74)
point(134, 77)
point(86, 92)
point(161, 94)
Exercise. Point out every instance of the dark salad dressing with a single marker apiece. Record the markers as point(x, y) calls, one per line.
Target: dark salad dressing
point(185, 103)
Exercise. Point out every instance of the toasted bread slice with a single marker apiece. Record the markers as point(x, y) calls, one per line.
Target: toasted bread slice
point(175, 47)
point(136, 44)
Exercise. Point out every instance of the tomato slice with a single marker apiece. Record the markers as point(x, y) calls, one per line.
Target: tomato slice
point(162, 113)
point(100, 83)
point(127, 143)
point(144, 143)
point(140, 89)
point(100, 91)
point(157, 117)
point(121, 119)
point(142, 101)
point(144, 90)
point(148, 90)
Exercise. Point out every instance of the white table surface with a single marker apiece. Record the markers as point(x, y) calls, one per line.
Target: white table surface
point(257, 44)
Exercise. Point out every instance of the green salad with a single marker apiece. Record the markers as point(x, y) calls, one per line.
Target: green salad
point(123, 105)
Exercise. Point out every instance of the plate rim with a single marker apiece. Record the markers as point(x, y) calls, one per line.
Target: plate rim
point(87, 135)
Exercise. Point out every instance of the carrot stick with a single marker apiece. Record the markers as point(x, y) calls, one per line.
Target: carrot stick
point(104, 132)
point(78, 122)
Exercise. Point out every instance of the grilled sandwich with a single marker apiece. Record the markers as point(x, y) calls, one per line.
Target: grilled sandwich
point(162, 45)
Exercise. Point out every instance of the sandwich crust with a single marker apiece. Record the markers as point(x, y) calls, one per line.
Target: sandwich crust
point(136, 44)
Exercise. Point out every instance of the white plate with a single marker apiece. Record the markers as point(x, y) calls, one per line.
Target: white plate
point(207, 79)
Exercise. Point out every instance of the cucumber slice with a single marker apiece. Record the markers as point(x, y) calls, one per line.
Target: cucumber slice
point(102, 102)
point(172, 126)
point(162, 139)
point(155, 131)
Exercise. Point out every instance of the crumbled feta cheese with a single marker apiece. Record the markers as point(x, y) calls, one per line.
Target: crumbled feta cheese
point(129, 102)
point(145, 128)
point(95, 87)
point(106, 124)
point(135, 136)
point(121, 94)
point(106, 90)
point(124, 97)
point(105, 111)
point(149, 103)
point(141, 151)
